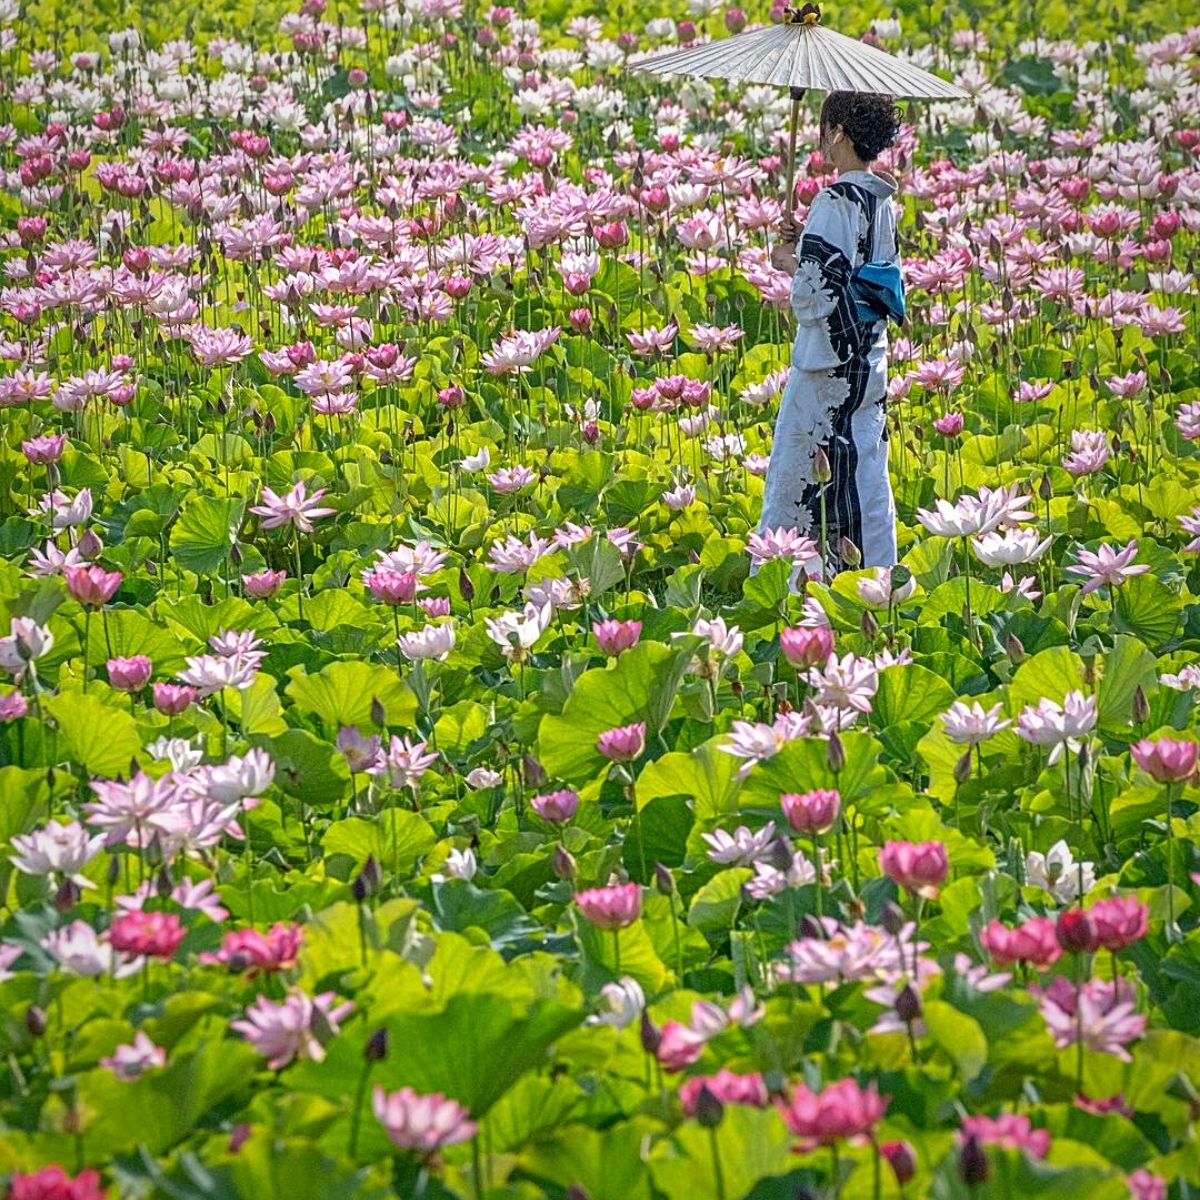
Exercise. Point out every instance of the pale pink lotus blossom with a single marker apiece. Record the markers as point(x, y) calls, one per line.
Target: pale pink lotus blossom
point(1102, 1011)
point(424, 1123)
point(292, 1028)
point(131, 1061)
point(295, 507)
point(1107, 566)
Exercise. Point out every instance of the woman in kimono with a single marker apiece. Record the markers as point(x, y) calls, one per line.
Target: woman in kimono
point(834, 402)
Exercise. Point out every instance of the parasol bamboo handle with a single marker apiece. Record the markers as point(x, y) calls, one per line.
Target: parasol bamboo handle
point(789, 202)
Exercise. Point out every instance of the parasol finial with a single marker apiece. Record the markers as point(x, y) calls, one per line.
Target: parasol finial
point(810, 14)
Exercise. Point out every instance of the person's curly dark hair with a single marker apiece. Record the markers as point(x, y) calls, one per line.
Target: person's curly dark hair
point(869, 120)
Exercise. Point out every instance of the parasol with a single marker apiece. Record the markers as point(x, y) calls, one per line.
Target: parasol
point(801, 53)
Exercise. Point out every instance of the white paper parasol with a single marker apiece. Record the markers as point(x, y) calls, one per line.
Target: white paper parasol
point(801, 53)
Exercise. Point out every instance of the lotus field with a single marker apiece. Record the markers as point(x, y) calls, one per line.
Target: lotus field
point(420, 776)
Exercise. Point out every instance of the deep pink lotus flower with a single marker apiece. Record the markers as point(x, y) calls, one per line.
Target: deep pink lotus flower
point(804, 647)
point(842, 1110)
point(1035, 942)
point(92, 586)
point(811, 812)
point(678, 1046)
point(1075, 932)
point(148, 934)
point(173, 698)
point(728, 1087)
point(129, 674)
point(264, 584)
point(919, 867)
point(951, 425)
point(424, 1123)
point(247, 950)
point(612, 907)
point(1169, 760)
point(1119, 921)
point(556, 807)
point(1009, 1130)
point(53, 1183)
point(623, 744)
point(615, 637)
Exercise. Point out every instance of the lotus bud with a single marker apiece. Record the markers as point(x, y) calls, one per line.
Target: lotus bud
point(851, 555)
point(1141, 707)
point(821, 471)
point(868, 624)
point(378, 713)
point(893, 918)
point(564, 863)
point(664, 880)
point(908, 1004)
point(709, 1110)
point(962, 769)
point(650, 1034)
point(835, 753)
point(973, 1165)
point(1014, 648)
point(67, 895)
point(376, 1049)
point(35, 1021)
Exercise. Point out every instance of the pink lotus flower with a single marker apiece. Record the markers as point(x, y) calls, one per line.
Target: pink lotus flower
point(93, 586)
point(1126, 386)
point(805, 647)
point(1105, 1015)
point(129, 1062)
point(13, 706)
point(727, 1087)
point(842, 1110)
point(623, 744)
point(295, 507)
point(951, 425)
point(129, 674)
point(1008, 1130)
point(148, 934)
point(1168, 760)
point(392, 587)
point(556, 807)
point(678, 1045)
point(811, 812)
point(264, 584)
point(613, 907)
point(919, 867)
point(53, 1183)
point(1145, 1186)
point(247, 950)
point(293, 1028)
point(1107, 567)
point(45, 449)
point(615, 637)
point(1034, 942)
point(172, 698)
point(424, 1123)
point(1119, 921)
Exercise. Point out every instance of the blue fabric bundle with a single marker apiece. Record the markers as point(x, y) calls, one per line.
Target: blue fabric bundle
point(877, 289)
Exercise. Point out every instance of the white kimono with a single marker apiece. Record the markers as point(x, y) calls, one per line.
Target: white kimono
point(837, 387)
